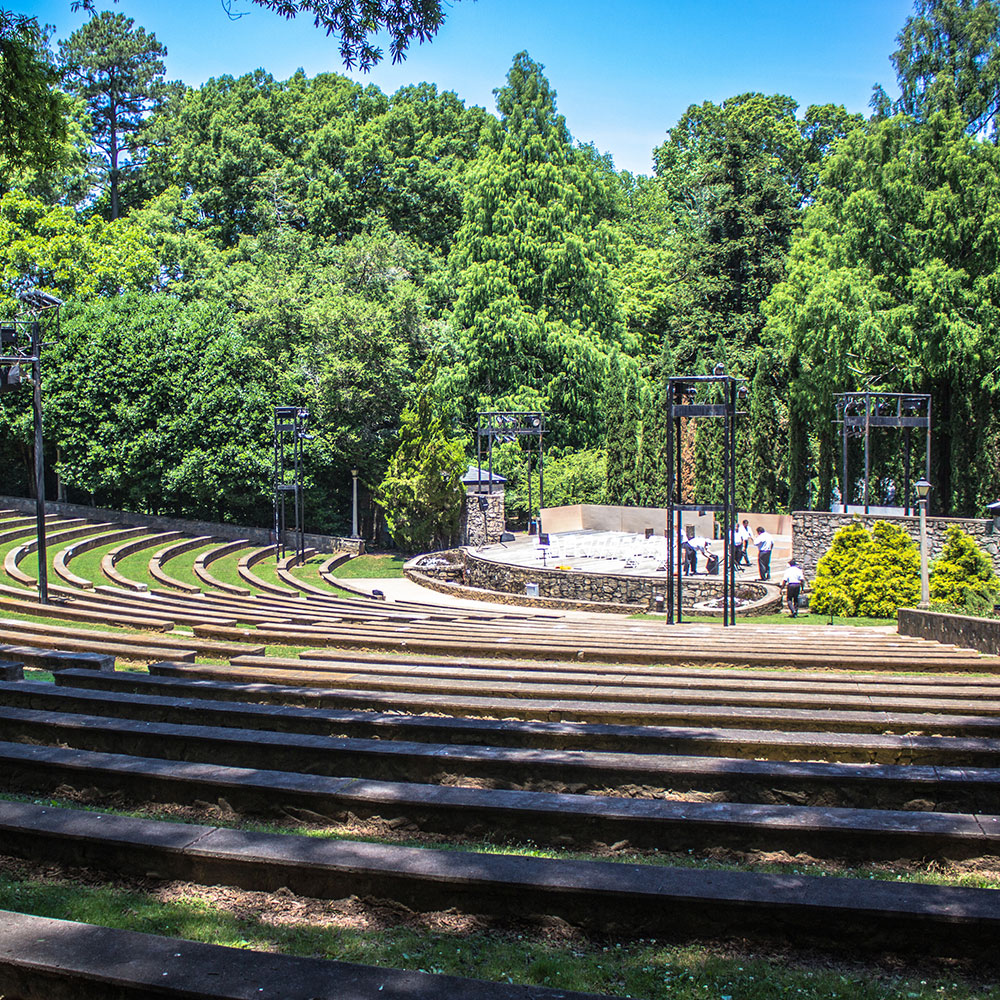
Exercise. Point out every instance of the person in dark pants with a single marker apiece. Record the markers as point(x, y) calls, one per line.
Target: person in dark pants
point(764, 543)
point(744, 537)
point(793, 582)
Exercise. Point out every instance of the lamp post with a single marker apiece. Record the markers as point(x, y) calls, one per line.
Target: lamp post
point(923, 489)
point(354, 505)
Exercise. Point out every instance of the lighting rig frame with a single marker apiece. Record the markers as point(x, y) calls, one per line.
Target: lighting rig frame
point(290, 430)
point(859, 412)
point(22, 340)
point(682, 390)
point(508, 425)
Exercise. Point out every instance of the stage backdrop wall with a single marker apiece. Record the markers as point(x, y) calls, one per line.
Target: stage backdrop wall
point(594, 517)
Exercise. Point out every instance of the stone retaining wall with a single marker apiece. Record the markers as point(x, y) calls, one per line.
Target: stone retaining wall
point(259, 536)
point(603, 588)
point(813, 531)
point(955, 630)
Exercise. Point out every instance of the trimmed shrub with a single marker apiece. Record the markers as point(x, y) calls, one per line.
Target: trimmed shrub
point(962, 577)
point(888, 577)
point(868, 574)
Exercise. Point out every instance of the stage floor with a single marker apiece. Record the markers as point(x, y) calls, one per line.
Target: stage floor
point(615, 552)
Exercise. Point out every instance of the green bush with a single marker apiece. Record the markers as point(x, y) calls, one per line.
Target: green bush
point(962, 576)
point(868, 574)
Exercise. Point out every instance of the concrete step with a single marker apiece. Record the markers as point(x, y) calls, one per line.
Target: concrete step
point(728, 778)
point(605, 897)
point(548, 704)
point(64, 960)
point(539, 817)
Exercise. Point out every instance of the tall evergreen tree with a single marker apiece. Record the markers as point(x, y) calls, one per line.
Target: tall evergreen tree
point(613, 402)
point(119, 71)
point(893, 286)
point(629, 432)
point(536, 306)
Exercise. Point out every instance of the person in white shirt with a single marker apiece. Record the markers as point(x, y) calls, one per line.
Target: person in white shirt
point(794, 580)
point(692, 546)
point(743, 539)
point(764, 543)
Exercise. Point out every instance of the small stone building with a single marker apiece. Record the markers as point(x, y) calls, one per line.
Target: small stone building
point(484, 512)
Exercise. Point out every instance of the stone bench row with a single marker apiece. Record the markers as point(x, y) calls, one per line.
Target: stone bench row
point(599, 896)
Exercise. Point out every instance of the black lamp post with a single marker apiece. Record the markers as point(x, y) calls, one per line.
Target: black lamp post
point(21, 345)
point(923, 489)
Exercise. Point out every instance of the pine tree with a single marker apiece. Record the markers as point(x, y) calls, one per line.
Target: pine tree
point(119, 73)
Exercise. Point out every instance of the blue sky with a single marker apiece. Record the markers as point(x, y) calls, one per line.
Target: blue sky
point(623, 71)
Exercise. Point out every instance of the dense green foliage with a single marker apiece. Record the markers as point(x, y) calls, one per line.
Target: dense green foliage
point(867, 573)
point(963, 576)
point(317, 242)
point(34, 124)
point(422, 491)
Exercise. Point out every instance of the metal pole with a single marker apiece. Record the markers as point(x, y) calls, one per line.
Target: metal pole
point(927, 454)
point(354, 503)
point(670, 504)
point(529, 491)
point(725, 505)
point(479, 456)
point(541, 477)
point(490, 447)
point(925, 595)
point(906, 471)
point(867, 456)
point(43, 566)
point(680, 527)
point(844, 487)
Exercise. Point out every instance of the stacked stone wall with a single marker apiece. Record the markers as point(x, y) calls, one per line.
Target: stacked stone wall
point(602, 588)
point(475, 530)
point(813, 531)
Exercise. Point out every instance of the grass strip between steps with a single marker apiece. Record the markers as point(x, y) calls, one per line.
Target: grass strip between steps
point(767, 863)
point(527, 954)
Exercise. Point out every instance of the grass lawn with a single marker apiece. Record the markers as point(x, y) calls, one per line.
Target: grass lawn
point(182, 567)
point(380, 566)
point(136, 566)
point(524, 955)
point(226, 569)
point(308, 572)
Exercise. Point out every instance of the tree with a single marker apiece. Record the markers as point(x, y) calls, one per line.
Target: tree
point(356, 20)
point(119, 72)
point(422, 491)
point(535, 304)
point(613, 400)
point(892, 286)
point(162, 407)
point(34, 113)
point(49, 246)
point(949, 60)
